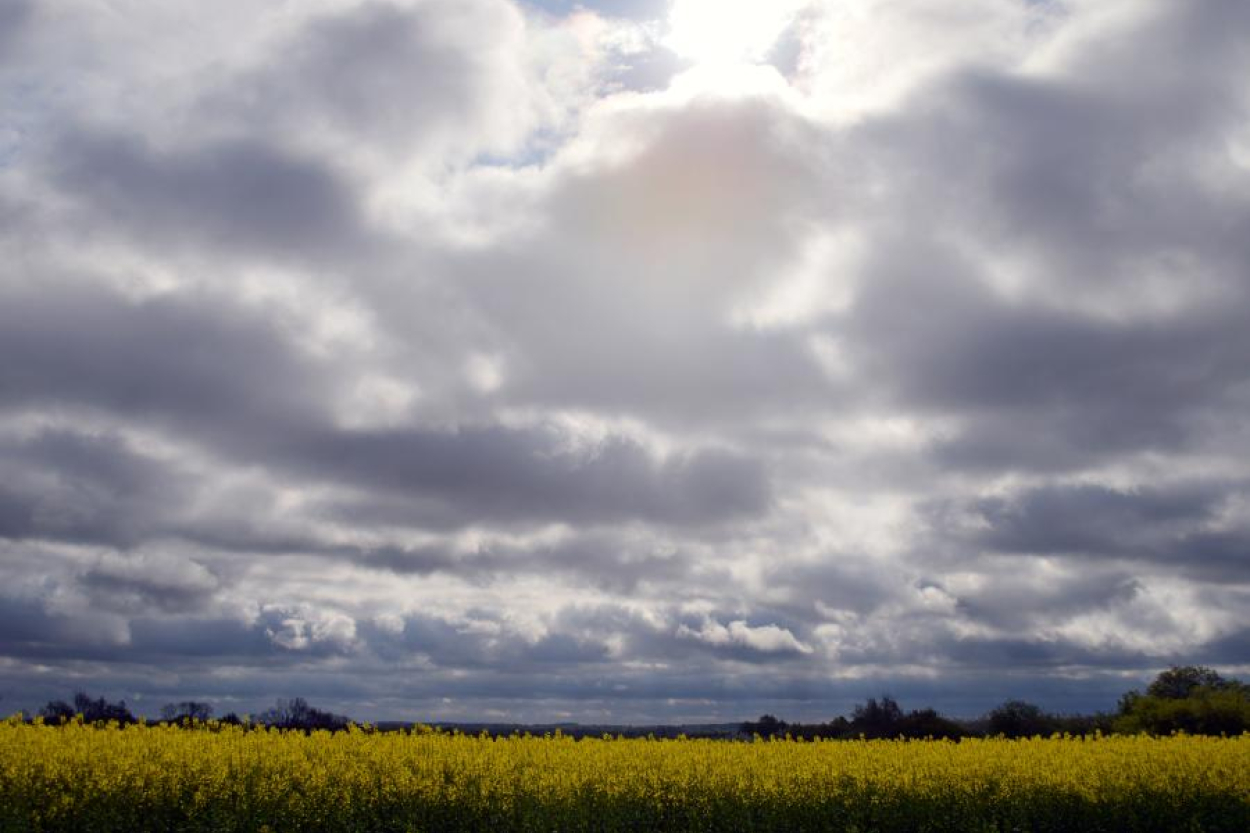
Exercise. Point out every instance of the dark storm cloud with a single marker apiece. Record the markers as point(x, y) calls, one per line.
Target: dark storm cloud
point(198, 360)
point(233, 195)
point(1019, 603)
point(835, 581)
point(602, 560)
point(28, 630)
point(441, 480)
point(99, 489)
point(85, 489)
point(1218, 556)
point(158, 611)
point(507, 474)
point(1230, 649)
point(1178, 527)
point(137, 586)
point(190, 639)
point(1080, 518)
point(996, 355)
point(220, 376)
point(1095, 169)
point(72, 487)
point(983, 653)
point(1103, 200)
point(1076, 385)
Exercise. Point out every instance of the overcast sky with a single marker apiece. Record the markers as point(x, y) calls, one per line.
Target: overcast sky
point(623, 361)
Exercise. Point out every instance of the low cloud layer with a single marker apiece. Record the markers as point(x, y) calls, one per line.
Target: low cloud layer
point(529, 361)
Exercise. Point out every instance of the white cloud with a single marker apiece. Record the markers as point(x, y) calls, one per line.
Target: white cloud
point(710, 32)
point(763, 638)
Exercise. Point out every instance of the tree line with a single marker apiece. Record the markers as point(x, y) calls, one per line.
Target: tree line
point(1191, 699)
point(294, 713)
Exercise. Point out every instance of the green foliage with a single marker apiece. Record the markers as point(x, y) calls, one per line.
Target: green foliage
point(1190, 699)
point(1205, 711)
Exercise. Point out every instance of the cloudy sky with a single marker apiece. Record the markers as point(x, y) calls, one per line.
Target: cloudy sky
point(622, 361)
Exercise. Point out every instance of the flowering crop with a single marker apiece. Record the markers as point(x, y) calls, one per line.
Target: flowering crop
point(225, 778)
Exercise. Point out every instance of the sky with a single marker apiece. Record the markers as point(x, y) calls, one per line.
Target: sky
point(634, 361)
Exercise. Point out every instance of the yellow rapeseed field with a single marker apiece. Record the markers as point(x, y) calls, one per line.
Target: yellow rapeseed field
point(225, 778)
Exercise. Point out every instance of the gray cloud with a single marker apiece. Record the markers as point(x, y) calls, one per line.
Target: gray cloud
point(138, 585)
point(234, 195)
point(14, 15)
point(603, 560)
point(652, 255)
point(1077, 385)
point(1088, 518)
point(503, 474)
point(184, 365)
point(384, 74)
point(473, 360)
point(188, 358)
point(79, 488)
point(1182, 527)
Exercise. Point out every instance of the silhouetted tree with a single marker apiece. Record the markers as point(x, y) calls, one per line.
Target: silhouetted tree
point(927, 723)
point(877, 719)
point(1083, 724)
point(1018, 719)
point(766, 727)
point(187, 710)
point(839, 727)
point(57, 711)
point(99, 710)
point(297, 714)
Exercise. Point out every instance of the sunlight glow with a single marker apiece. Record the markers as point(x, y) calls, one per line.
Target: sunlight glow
point(719, 32)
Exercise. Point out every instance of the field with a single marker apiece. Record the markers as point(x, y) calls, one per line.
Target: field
point(227, 779)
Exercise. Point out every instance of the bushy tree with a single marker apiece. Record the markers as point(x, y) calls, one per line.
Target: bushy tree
point(884, 718)
point(1181, 681)
point(1206, 711)
point(1189, 699)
